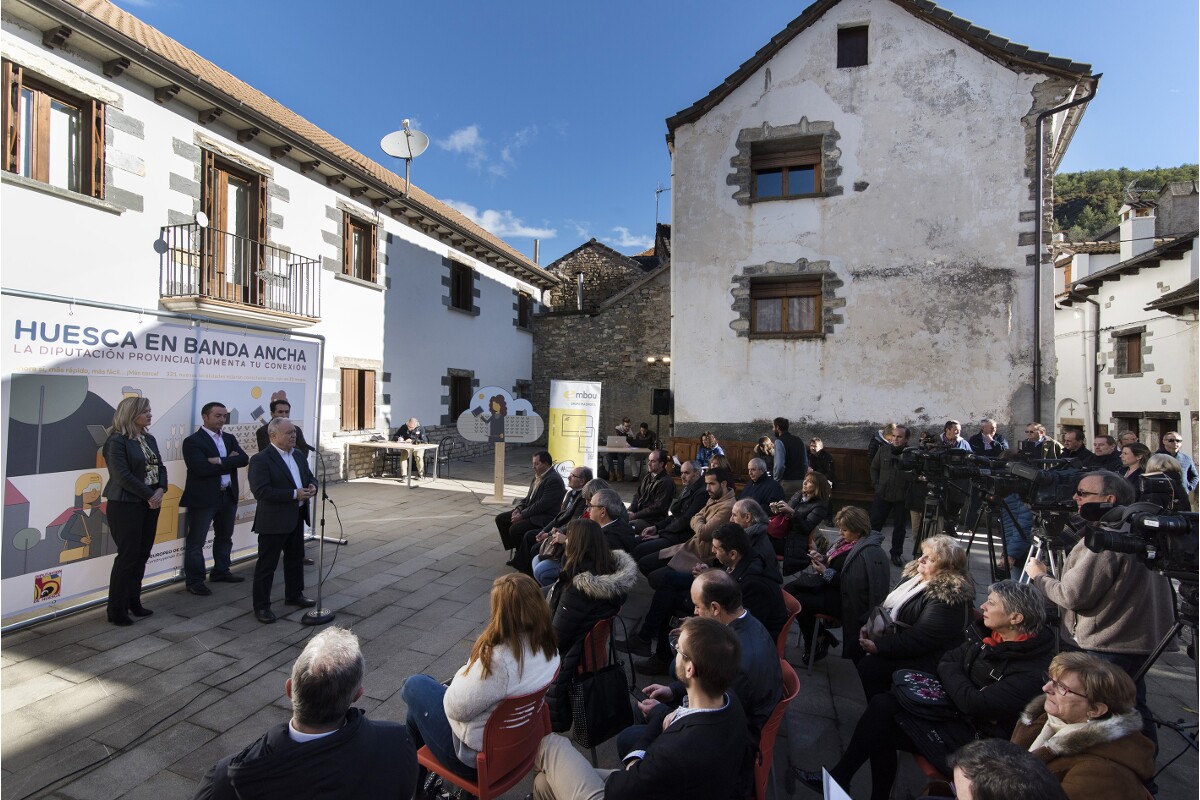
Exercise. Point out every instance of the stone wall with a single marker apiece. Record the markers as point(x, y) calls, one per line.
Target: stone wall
point(605, 273)
point(610, 345)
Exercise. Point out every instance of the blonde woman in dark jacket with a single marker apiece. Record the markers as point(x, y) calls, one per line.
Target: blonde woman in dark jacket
point(931, 606)
point(137, 480)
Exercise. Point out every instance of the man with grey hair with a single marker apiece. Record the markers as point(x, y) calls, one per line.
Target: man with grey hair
point(761, 486)
point(1113, 606)
point(605, 509)
point(329, 749)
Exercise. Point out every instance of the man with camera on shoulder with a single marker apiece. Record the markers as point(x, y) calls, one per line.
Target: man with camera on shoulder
point(1113, 606)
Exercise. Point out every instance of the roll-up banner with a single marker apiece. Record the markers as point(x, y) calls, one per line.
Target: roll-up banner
point(65, 369)
point(574, 420)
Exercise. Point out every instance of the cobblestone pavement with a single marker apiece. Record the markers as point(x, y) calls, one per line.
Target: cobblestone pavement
point(91, 712)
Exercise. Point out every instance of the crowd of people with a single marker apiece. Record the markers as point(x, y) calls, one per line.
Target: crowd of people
point(972, 690)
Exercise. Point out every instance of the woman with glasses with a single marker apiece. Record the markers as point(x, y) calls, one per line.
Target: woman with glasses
point(137, 480)
point(1086, 730)
point(929, 608)
point(987, 681)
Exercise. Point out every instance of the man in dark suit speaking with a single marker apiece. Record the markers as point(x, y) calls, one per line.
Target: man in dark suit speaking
point(282, 484)
point(210, 496)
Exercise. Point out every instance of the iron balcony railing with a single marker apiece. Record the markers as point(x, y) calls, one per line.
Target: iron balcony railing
point(206, 262)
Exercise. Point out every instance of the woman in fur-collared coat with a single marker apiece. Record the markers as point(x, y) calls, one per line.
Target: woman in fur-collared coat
point(1086, 730)
point(930, 606)
point(592, 586)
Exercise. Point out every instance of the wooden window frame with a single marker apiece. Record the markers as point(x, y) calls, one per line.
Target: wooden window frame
point(783, 288)
point(214, 243)
point(787, 155)
point(1129, 347)
point(358, 399)
point(370, 269)
point(461, 391)
point(91, 133)
point(853, 43)
point(462, 286)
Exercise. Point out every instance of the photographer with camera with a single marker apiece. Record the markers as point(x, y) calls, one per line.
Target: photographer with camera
point(1113, 606)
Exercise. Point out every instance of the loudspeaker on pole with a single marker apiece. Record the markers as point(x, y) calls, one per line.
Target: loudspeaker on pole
point(660, 402)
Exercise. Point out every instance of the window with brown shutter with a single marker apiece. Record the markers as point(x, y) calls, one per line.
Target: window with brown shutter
point(358, 399)
point(524, 310)
point(786, 168)
point(852, 47)
point(52, 136)
point(1128, 346)
point(462, 286)
point(359, 248)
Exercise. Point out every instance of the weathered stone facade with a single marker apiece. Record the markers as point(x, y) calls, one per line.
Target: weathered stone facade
point(605, 273)
point(610, 344)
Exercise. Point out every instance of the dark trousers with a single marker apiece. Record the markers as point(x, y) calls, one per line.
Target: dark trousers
point(898, 510)
point(133, 524)
point(221, 517)
point(671, 589)
point(876, 738)
point(526, 550)
point(270, 545)
point(511, 532)
point(825, 600)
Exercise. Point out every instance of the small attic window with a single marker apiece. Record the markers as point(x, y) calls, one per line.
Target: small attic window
point(852, 46)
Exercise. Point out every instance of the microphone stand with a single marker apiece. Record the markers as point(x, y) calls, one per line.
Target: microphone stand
point(319, 615)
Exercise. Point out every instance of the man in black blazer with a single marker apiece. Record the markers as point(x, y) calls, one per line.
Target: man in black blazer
point(282, 484)
point(281, 408)
point(210, 496)
point(700, 751)
point(539, 505)
point(572, 507)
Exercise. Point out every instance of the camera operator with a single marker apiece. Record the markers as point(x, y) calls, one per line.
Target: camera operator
point(1113, 606)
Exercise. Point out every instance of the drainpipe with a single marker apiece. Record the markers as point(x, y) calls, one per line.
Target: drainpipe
point(1074, 295)
point(1037, 243)
point(579, 292)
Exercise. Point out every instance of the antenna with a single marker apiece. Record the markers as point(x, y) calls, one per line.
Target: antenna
point(658, 190)
point(406, 143)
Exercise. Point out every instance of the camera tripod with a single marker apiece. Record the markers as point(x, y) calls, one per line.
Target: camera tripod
point(993, 530)
point(933, 516)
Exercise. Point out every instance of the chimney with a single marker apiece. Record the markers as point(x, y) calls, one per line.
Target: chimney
point(537, 249)
point(1137, 228)
point(579, 292)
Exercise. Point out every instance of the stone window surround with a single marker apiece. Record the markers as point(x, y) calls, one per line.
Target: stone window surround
point(452, 372)
point(831, 303)
point(742, 175)
point(364, 364)
point(56, 72)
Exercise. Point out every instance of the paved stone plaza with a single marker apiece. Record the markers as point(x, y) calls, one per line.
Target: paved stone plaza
point(92, 712)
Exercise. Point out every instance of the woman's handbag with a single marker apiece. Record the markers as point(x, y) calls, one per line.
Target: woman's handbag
point(600, 701)
point(549, 550)
point(809, 579)
point(922, 695)
point(779, 526)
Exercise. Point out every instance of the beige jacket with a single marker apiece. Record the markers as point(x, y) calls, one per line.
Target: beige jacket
point(714, 514)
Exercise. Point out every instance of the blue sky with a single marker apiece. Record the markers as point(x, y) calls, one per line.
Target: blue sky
point(547, 116)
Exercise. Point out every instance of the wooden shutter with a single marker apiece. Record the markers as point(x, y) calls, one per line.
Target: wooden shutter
point(92, 168)
point(347, 245)
point(368, 398)
point(12, 115)
point(349, 399)
point(372, 273)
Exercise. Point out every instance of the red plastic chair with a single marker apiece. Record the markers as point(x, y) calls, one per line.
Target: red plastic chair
point(595, 647)
point(510, 743)
point(793, 608)
point(929, 769)
point(766, 742)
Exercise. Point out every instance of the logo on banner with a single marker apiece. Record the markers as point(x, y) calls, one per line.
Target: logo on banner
point(47, 585)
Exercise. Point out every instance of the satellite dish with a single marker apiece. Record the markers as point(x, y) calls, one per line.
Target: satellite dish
point(405, 143)
point(202, 219)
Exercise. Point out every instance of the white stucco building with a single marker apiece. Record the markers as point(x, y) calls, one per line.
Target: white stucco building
point(854, 224)
point(140, 174)
point(1125, 323)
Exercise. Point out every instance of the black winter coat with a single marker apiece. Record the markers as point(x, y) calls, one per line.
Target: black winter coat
point(863, 582)
point(992, 684)
point(762, 595)
point(685, 505)
point(930, 623)
point(576, 607)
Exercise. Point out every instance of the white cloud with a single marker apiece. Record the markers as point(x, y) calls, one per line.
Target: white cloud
point(582, 229)
point(500, 222)
point(624, 238)
point(467, 141)
point(522, 137)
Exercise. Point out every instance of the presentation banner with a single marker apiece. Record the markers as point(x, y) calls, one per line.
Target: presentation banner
point(65, 369)
point(574, 421)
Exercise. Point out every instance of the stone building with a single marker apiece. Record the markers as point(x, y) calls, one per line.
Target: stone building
point(1125, 323)
point(854, 221)
point(616, 331)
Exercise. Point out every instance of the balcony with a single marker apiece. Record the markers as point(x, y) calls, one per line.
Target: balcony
point(224, 275)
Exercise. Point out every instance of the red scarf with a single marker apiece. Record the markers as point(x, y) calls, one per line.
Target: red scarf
point(995, 639)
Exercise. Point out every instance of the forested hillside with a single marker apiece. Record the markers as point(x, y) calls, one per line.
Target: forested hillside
point(1086, 203)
